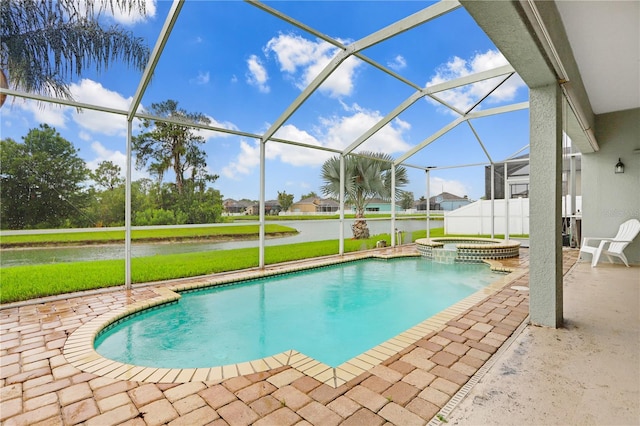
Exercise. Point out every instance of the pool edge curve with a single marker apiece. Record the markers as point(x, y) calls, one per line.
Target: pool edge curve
point(79, 348)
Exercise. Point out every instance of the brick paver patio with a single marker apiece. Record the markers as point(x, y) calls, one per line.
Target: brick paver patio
point(39, 387)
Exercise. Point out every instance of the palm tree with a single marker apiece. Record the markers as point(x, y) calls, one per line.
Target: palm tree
point(46, 42)
point(367, 176)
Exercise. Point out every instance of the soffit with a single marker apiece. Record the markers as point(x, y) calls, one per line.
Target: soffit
point(605, 40)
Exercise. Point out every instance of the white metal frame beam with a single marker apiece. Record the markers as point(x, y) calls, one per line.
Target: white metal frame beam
point(392, 30)
point(429, 91)
point(345, 52)
point(165, 32)
point(446, 6)
point(430, 139)
point(456, 122)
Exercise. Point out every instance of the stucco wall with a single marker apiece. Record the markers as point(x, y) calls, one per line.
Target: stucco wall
point(608, 199)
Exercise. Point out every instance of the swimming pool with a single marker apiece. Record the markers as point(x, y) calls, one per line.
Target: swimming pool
point(331, 314)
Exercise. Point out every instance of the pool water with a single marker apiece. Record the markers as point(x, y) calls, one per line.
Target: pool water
point(331, 314)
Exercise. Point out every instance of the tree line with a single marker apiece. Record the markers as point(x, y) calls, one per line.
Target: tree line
point(43, 180)
point(44, 185)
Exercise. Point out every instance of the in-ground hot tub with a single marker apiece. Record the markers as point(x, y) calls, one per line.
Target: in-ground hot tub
point(466, 249)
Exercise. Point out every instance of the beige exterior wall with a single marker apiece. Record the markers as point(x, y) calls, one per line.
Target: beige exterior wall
point(302, 208)
point(608, 199)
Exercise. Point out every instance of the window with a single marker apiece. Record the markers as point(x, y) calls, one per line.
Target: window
point(518, 190)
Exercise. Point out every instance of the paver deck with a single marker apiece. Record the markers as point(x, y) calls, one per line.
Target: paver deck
point(38, 384)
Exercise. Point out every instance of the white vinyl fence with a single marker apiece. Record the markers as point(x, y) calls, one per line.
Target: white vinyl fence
point(475, 218)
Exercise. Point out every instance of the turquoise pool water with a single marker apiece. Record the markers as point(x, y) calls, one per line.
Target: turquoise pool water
point(331, 314)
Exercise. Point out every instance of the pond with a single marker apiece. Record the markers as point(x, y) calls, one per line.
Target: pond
point(309, 230)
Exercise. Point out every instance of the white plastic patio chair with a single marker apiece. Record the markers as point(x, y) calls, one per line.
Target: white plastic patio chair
point(611, 246)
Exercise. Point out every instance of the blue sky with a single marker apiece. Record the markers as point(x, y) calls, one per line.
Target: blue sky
point(242, 67)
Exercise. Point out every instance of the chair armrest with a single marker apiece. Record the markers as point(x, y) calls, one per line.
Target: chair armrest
point(587, 239)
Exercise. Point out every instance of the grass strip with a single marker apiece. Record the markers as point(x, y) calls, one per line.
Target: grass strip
point(27, 282)
point(141, 235)
point(20, 283)
point(434, 216)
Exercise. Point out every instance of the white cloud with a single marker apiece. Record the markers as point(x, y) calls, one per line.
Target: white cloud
point(302, 60)
point(247, 159)
point(46, 113)
point(104, 154)
point(91, 92)
point(116, 157)
point(465, 97)
point(201, 78)
point(257, 74)
point(439, 185)
point(297, 155)
point(334, 132)
point(84, 136)
point(134, 16)
point(341, 131)
point(398, 63)
point(208, 134)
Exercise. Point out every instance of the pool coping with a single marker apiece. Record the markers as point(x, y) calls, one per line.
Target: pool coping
point(468, 249)
point(79, 349)
point(464, 242)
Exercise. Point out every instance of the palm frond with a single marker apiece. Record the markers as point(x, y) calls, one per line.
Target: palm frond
point(367, 176)
point(45, 43)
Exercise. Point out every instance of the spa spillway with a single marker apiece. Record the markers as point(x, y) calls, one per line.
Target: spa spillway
point(466, 249)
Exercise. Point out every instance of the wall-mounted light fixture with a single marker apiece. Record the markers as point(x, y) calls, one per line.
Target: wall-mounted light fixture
point(619, 166)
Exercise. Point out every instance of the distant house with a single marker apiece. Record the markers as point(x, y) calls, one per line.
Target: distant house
point(518, 176)
point(379, 205)
point(271, 207)
point(315, 205)
point(443, 201)
point(421, 205)
point(234, 207)
point(448, 201)
point(327, 205)
point(306, 205)
point(518, 172)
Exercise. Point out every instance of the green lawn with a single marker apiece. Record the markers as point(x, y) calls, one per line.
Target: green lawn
point(438, 216)
point(27, 282)
point(106, 237)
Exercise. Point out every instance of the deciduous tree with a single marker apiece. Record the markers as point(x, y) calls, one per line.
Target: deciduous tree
point(41, 181)
point(107, 175)
point(406, 200)
point(285, 200)
point(312, 194)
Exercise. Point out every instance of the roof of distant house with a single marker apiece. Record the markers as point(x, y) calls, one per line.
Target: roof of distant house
point(327, 202)
point(231, 202)
point(318, 201)
point(308, 200)
point(447, 196)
